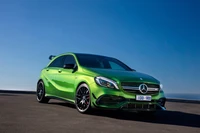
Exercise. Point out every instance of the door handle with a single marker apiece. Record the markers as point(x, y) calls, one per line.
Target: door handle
point(47, 69)
point(59, 71)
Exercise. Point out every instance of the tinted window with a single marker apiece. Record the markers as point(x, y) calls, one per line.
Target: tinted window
point(96, 61)
point(69, 59)
point(58, 62)
point(115, 66)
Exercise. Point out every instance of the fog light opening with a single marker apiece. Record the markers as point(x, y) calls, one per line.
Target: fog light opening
point(161, 102)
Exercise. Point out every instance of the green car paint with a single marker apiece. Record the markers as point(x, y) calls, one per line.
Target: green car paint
point(109, 88)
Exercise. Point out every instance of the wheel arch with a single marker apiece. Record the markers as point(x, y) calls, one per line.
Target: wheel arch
point(40, 80)
point(45, 85)
point(80, 83)
point(90, 95)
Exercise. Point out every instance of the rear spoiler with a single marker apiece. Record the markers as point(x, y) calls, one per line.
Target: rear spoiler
point(51, 57)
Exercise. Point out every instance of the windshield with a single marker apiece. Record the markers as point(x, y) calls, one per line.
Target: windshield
point(96, 61)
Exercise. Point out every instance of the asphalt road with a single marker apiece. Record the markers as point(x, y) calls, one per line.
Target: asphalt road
point(21, 113)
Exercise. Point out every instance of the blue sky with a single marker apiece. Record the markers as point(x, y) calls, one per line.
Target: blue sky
point(161, 38)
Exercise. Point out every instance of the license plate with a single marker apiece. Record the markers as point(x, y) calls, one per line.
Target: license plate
point(143, 98)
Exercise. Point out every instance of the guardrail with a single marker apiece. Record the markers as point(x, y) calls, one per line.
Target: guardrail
point(17, 92)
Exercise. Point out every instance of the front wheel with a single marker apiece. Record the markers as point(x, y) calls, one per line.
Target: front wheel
point(41, 93)
point(82, 99)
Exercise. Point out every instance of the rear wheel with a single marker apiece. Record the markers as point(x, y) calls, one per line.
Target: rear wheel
point(82, 99)
point(41, 93)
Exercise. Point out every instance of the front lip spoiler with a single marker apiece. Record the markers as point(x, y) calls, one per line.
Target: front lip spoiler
point(154, 105)
point(158, 108)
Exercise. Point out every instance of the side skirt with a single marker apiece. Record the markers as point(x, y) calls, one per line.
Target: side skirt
point(61, 99)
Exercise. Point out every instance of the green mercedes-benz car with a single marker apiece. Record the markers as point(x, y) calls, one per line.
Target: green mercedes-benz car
point(94, 81)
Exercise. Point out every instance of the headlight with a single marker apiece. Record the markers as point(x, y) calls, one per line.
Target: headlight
point(105, 82)
point(161, 86)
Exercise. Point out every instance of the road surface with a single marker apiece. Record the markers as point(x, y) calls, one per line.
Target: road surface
point(21, 113)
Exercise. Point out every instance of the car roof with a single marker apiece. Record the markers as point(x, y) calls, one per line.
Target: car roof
point(72, 53)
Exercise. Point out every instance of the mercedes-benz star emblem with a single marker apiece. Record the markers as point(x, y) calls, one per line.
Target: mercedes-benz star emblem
point(143, 88)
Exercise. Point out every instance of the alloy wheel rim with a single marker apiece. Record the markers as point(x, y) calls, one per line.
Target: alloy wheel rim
point(40, 91)
point(83, 99)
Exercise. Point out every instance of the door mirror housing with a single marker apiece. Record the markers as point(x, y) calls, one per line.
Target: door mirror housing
point(69, 66)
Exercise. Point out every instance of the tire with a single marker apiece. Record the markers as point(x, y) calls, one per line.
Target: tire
point(82, 99)
point(41, 93)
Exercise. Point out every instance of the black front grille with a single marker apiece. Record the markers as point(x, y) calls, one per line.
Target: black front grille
point(138, 92)
point(136, 85)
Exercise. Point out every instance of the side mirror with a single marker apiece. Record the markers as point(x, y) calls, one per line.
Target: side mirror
point(69, 66)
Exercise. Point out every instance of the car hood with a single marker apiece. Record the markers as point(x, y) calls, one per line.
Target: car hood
point(127, 76)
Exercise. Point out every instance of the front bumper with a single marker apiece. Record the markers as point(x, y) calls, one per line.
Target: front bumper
point(106, 98)
point(117, 102)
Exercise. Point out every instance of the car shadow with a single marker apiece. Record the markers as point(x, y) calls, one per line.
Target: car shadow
point(161, 117)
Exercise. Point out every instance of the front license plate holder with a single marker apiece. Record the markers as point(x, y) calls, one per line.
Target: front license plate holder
point(143, 98)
